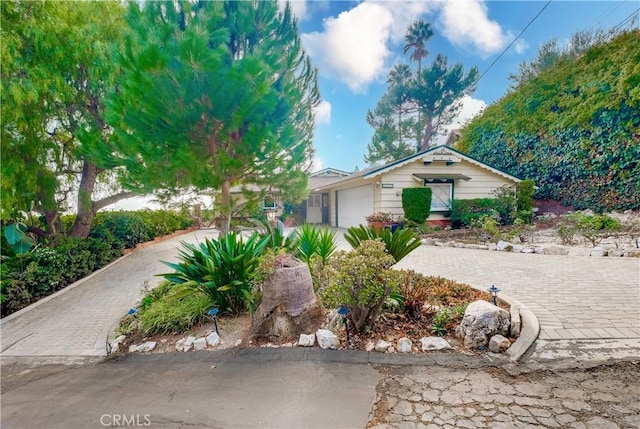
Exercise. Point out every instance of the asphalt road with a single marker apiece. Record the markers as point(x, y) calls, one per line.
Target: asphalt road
point(195, 390)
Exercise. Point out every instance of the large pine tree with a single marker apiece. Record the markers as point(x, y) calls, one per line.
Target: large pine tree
point(214, 94)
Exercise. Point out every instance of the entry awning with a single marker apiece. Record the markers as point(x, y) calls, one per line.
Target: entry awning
point(436, 177)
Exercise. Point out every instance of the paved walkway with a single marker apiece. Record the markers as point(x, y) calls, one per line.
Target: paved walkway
point(77, 321)
point(574, 298)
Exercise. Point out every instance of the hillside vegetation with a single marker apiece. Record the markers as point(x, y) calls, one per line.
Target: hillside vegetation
point(573, 127)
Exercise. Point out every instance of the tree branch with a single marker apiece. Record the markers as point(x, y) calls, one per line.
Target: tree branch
point(112, 199)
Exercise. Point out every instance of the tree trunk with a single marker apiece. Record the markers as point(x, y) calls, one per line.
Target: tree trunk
point(289, 306)
point(86, 210)
point(225, 209)
point(428, 130)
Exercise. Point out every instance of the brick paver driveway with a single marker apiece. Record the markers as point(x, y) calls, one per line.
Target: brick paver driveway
point(77, 322)
point(573, 297)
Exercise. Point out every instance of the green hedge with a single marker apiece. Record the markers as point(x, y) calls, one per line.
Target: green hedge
point(416, 203)
point(36, 274)
point(464, 212)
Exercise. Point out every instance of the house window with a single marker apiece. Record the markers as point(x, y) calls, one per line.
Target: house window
point(314, 200)
point(441, 194)
point(269, 204)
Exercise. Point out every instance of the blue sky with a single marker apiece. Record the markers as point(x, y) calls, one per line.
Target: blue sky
point(354, 44)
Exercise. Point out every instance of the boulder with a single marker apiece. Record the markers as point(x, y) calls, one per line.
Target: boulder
point(188, 343)
point(504, 246)
point(404, 345)
point(369, 346)
point(434, 343)
point(428, 241)
point(598, 252)
point(493, 246)
point(517, 248)
point(213, 339)
point(481, 321)
point(327, 339)
point(528, 249)
point(539, 250)
point(632, 254)
point(556, 250)
point(146, 347)
point(200, 343)
point(382, 346)
point(615, 253)
point(306, 340)
point(498, 344)
point(180, 344)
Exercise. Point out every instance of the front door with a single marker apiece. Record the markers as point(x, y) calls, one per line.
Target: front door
point(325, 209)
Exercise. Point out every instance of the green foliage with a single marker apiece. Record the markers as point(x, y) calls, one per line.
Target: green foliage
point(237, 105)
point(134, 227)
point(446, 316)
point(488, 224)
point(418, 103)
point(57, 65)
point(152, 295)
point(416, 203)
point(173, 314)
point(572, 128)
point(465, 212)
point(592, 227)
point(44, 270)
point(313, 241)
point(363, 281)
point(31, 276)
point(398, 243)
point(221, 269)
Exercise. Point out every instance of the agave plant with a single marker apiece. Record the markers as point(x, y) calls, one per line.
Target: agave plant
point(220, 268)
point(399, 243)
point(312, 241)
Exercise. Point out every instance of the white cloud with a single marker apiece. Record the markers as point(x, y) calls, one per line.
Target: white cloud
point(353, 46)
point(322, 113)
point(470, 108)
point(465, 23)
point(298, 7)
point(316, 164)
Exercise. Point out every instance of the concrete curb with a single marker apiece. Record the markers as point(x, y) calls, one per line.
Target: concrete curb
point(529, 332)
point(60, 292)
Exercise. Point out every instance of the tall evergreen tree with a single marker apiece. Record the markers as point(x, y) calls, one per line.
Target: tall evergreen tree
point(215, 94)
point(417, 105)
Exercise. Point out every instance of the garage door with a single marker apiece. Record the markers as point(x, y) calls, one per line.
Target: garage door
point(354, 205)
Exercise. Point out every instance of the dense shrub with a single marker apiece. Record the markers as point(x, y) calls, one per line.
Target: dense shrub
point(592, 227)
point(416, 203)
point(174, 313)
point(526, 190)
point(362, 281)
point(466, 213)
point(30, 276)
point(135, 227)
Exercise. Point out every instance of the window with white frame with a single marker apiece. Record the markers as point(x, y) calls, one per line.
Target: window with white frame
point(441, 194)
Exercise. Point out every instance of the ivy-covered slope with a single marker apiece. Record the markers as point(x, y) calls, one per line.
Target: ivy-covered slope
point(574, 129)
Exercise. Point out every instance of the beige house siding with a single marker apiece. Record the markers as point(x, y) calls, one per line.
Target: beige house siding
point(483, 182)
point(389, 181)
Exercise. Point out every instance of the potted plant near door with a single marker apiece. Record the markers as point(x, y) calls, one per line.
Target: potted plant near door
point(380, 220)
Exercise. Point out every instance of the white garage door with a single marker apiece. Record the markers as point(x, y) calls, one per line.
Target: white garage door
point(354, 205)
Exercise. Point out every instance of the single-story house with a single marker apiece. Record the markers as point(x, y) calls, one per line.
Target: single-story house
point(316, 209)
point(348, 199)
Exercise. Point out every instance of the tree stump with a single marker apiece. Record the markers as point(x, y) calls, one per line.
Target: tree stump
point(289, 305)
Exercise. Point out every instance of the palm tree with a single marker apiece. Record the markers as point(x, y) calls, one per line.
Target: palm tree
point(417, 36)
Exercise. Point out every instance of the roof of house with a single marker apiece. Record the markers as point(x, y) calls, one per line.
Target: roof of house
point(374, 171)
